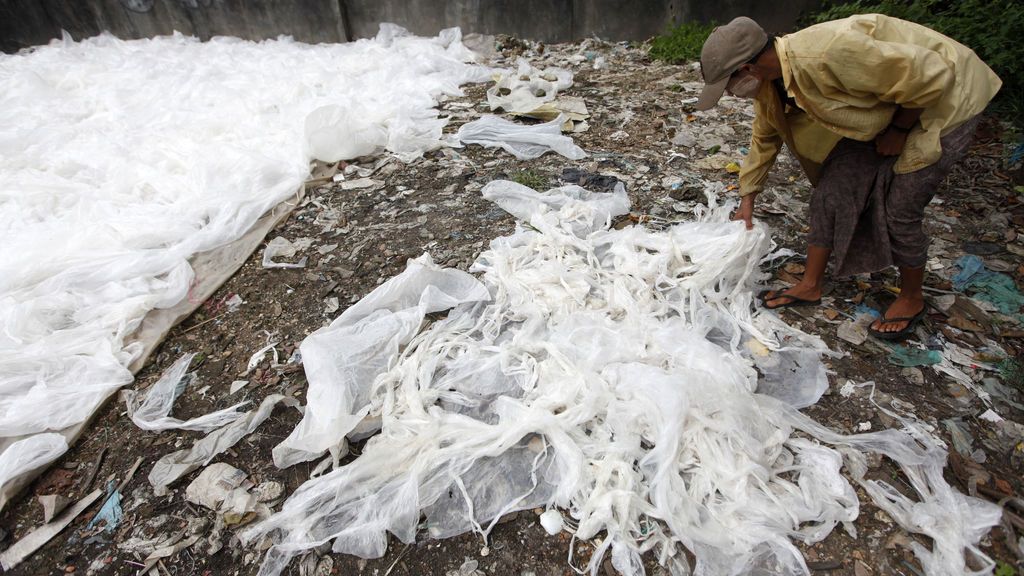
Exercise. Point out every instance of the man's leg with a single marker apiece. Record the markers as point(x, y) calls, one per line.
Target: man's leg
point(908, 304)
point(810, 286)
point(904, 210)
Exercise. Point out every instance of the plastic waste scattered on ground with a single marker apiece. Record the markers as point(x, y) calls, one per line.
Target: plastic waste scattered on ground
point(526, 89)
point(173, 466)
point(110, 513)
point(151, 412)
point(342, 359)
point(908, 356)
point(282, 247)
point(994, 287)
point(571, 109)
point(16, 553)
point(605, 376)
point(208, 137)
point(52, 504)
point(525, 142)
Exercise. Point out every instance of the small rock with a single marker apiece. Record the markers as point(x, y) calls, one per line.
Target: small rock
point(485, 551)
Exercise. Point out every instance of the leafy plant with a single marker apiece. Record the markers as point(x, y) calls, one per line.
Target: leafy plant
point(680, 44)
point(1004, 569)
point(530, 179)
point(992, 28)
point(1012, 372)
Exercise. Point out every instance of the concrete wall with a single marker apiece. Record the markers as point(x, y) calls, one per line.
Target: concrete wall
point(30, 22)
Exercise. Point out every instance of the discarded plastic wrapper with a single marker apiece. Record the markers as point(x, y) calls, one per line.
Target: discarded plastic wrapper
point(524, 142)
point(607, 376)
point(209, 136)
point(151, 413)
point(173, 466)
point(282, 247)
point(527, 88)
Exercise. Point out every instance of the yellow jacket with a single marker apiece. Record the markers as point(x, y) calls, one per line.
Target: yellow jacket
point(848, 77)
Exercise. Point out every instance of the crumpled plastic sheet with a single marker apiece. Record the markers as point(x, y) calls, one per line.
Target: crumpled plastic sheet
point(360, 344)
point(29, 454)
point(120, 160)
point(525, 142)
point(152, 412)
point(171, 467)
point(526, 88)
point(610, 375)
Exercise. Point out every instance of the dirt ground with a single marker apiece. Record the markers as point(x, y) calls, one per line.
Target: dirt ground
point(640, 125)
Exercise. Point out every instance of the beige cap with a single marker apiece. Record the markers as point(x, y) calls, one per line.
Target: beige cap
point(726, 49)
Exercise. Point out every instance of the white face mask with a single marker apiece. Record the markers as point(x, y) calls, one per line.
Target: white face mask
point(745, 86)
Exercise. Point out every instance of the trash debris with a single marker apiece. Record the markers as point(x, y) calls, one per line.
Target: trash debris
point(152, 411)
point(110, 513)
point(282, 247)
point(214, 159)
point(37, 538)
point(53, 504)
point(524, 142)
point(173, 466)
point(589, 180)
point(526, 89)
point(347, 354)
point(908, 356)
point(571, 109)
point(551, 520)
point(994, 287)
point(237, 385)
point(225, 490)
point(582, 337)
point(856, 331)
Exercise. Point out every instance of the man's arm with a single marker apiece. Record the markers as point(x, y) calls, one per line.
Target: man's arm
point(764, 148)
point(892, 140)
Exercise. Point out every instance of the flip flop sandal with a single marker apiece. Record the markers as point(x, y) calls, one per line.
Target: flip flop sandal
point(792, 301)
point(898, 335)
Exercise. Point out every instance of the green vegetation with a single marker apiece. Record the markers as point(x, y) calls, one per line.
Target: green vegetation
point(994, 29)
point(1004, 569)
point(681, 44)
point(1012, 372)
point(530, 179)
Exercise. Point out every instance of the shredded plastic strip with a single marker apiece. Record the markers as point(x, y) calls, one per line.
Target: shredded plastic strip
point(613, 375)
point(120, 160)
point(152, 412)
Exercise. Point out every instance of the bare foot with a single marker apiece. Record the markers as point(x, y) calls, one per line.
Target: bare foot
point(808, 292)
point(900, 308)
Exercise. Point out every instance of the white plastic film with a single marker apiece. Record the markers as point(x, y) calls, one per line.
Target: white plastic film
point(120, 160)
point(612, 375)
point(525, 142)
point(152, 412)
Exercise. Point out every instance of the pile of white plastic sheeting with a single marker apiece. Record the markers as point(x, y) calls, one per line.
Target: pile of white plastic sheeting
point(610, 374)
point(527, 88)
point(119, 160)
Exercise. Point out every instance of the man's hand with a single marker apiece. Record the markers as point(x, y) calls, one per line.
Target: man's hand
point(890, 142)
point(746, 210)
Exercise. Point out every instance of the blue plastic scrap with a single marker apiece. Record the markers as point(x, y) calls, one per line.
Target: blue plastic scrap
point(998, 289)
point(111, 512)
point(909, 357)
